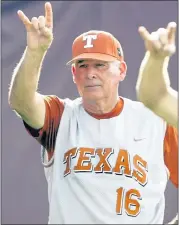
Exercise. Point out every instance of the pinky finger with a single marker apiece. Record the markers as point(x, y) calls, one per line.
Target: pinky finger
point(171, 32)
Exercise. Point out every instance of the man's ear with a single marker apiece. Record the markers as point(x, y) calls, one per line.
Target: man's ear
point(73, 71)
point(123, 70)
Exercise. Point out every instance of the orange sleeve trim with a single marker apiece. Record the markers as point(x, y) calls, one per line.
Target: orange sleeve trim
point(46, 136)
point(171, 153)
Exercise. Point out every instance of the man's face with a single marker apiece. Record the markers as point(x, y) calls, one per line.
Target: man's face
point(96, 79)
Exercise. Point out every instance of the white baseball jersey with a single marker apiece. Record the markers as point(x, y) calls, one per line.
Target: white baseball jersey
point(107, 171)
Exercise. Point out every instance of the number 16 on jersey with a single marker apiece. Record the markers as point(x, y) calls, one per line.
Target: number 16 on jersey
point(126, 202)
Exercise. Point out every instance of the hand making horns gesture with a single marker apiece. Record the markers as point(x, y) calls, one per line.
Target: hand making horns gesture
point(160, 43)
point(39, 30)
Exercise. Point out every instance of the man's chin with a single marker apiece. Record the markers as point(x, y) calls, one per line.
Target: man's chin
point(92, 96)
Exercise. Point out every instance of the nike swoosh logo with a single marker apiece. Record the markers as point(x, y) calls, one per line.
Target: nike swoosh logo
point(138, 139)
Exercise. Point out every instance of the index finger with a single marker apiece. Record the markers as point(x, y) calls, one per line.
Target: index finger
point(24, 19)
point(144, 33)
point(49, 15)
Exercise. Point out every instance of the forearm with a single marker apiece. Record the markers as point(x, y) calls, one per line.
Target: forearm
point(167, 107)
point(25, 78)
point(153, 79)
point(175, 220)
point(153, 88)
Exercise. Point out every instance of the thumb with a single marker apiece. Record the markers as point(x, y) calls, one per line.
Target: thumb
point(46, 32)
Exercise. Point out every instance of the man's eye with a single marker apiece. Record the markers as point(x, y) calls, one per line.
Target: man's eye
point(83, 66)
point(100, 64)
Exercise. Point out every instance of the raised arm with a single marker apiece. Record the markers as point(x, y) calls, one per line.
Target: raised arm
point(23, 95)
point(153, 84)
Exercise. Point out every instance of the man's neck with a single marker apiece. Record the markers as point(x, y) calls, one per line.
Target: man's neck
point(100, 106)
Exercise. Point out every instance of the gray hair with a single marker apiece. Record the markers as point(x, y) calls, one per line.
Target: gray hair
point(115, 62)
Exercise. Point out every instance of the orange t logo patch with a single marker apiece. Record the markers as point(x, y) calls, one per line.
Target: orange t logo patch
point(89, 38)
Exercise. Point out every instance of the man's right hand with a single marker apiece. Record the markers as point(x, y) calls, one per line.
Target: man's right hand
point(39, 30)
point(23, 95)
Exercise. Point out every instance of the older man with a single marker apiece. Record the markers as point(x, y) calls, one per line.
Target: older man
point(107, 159)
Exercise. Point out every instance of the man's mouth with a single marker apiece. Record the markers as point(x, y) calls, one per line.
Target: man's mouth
point(92, 86)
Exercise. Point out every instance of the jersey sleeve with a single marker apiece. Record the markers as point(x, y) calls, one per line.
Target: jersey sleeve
point(46, 135)
point(171, 153)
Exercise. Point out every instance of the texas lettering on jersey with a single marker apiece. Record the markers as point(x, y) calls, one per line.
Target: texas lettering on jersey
point(122, 167)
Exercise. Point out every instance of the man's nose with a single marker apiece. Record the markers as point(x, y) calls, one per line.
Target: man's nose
point(91, 73)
